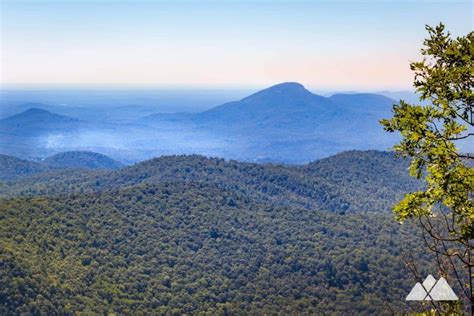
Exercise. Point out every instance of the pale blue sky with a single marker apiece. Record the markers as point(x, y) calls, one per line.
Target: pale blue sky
point(324, 44)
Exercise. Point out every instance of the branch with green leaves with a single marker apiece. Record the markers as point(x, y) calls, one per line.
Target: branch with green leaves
point(430, 138)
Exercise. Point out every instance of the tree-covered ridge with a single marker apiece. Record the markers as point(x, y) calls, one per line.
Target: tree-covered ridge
point(190, 234)
point(13, 168)
point(348, 182)
point(82, 159)
point(190, 247)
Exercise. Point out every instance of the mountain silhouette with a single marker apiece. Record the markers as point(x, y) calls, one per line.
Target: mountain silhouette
point(276, 106)
point(287, 122)
point(368, 102)
point(81, 159)
point(34, 121)
point(283, 123)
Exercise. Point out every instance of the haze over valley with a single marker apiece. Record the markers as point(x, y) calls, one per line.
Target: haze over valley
point(283, 123)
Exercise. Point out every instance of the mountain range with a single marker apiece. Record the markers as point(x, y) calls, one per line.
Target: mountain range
point(283, 123)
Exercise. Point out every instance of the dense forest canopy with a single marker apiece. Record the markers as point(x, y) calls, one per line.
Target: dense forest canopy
point(188, 234)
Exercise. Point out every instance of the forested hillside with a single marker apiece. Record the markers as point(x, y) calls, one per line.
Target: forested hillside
point(352, 181)
point(189, 234)
point(81, 159)
point(13, 168)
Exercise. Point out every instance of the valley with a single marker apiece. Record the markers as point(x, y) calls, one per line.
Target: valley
point(285, 123)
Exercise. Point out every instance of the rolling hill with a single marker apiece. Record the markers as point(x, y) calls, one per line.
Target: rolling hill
point(12, 168)
point(190, 234)
point(316, 185)
point(81, 159)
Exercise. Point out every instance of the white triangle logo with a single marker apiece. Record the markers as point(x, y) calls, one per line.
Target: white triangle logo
point(429, 282)
point(432, 290)
point(417, 293)
point(442, 291)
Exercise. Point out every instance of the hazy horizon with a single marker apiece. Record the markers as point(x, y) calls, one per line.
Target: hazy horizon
point(164, 87)
point(328, 45)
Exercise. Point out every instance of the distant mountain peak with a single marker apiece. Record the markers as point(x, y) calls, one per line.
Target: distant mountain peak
point(36, 111)
point(283, 104)
point(285, 87)
point(34, 122)
point(363, 99)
